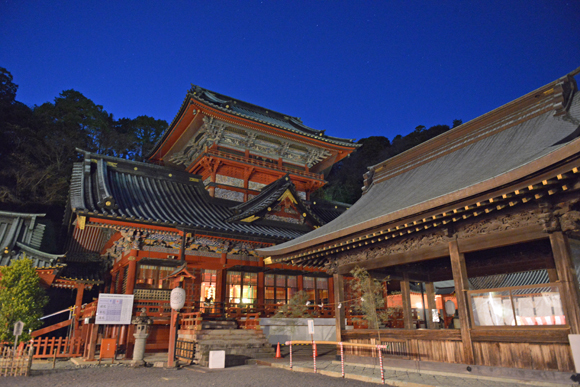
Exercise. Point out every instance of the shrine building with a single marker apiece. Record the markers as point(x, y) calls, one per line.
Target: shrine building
point(226, 178)
point(475, 235)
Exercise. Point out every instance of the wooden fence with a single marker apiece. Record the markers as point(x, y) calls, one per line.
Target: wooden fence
point(53, 347)
point(15, 364)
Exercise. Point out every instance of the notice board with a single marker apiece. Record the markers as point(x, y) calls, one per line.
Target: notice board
point(114, 309)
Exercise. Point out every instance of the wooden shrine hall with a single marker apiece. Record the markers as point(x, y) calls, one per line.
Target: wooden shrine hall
point(476, 234)
point(226, 178)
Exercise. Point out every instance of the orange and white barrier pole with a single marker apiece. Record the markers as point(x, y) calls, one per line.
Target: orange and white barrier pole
point(314, 354)
point(342, 358)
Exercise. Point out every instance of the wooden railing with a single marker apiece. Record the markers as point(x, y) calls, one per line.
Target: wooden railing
point(162, 309)
point(260, 163)
point(53, 347)
point(191, 321)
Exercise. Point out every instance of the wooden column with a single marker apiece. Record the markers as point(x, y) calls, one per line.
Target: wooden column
point(172, 339)
point(461, 286)
point(120, 275)
point(431, 304)
point(552, 275)
point(339, 313)
point(406, 295)
point(220, 286)
point(112, 288)
point(300, 282)
point(261, 287)
point(77, 312)
point(131, 272)
point(567, 276)
point(330, 290)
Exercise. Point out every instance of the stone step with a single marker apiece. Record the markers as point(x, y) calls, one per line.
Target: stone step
point(228, 332)
point(226, 344)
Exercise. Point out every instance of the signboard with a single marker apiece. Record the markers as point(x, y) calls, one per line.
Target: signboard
point(18, 326)
point(310, 327)
point(114, 309)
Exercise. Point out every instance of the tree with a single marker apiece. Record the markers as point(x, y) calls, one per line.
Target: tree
point(295, 308)
point(21, 298)
point(371, 297)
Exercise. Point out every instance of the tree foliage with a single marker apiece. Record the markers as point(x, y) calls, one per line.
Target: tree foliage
point(21, 298)
point(371, 298)
point(39, 144)
point(295, 308)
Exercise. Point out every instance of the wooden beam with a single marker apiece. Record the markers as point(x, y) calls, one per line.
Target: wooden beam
point(51, 328)
point(431, 252)
point(431, 304)
point(461, 286)
point(406, 295)
point(568, 279)
point(500, 239)
point(339, 308)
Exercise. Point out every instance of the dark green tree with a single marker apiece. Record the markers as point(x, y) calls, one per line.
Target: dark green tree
point(21, 298)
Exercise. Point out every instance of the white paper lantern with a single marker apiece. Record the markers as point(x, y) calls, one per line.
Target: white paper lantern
point(177, 299)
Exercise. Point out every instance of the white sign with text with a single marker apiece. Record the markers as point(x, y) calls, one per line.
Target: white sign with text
point(114, 309)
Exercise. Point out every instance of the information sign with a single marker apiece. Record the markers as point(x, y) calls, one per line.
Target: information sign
point(18, 326)
point(310, 327)
point(114, 309)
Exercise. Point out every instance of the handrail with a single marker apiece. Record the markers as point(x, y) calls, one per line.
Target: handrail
point(302, 342)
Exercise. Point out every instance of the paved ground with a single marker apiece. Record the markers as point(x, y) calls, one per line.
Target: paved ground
point(267, 373)
point(370, 371)
point(193, 376)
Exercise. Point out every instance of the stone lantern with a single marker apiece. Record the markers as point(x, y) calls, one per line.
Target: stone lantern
point(142, 323)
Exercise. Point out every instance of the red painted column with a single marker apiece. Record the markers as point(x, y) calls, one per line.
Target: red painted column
point(131, 273)
point(172, 338)
point(77, 312)
point(114, 276)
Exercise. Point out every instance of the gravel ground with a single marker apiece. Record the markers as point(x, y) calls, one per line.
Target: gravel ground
point(120, 375)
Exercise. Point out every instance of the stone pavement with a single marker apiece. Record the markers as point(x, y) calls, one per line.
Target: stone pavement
point(408, 377)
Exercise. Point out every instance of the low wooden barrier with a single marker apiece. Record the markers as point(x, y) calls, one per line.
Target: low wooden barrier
point(191, 321)
point(53, 347)
point(252, 321)
point(15, 364)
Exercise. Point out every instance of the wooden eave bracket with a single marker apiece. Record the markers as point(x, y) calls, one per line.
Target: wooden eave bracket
point(546, 187)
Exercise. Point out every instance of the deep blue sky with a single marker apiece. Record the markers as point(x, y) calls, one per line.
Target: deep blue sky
point(356, 69)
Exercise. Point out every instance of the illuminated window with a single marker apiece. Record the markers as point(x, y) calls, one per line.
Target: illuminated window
point(208, 285)
point(153, 277)
point(317, 289)
point(279, 288)
point(242, 288)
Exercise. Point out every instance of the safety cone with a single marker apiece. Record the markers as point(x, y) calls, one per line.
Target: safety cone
point(315, 351)
point(278, 354)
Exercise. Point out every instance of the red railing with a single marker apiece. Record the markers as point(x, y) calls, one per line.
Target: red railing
point(274, 166)
point(50, 347)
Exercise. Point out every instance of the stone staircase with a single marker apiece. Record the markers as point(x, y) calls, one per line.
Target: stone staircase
point(239, 344)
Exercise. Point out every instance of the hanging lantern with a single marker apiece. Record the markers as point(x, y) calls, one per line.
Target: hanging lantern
point(177, 299)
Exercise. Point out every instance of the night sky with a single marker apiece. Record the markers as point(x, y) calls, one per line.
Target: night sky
point(356, 69)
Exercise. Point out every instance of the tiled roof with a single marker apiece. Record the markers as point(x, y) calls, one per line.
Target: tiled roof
point(251, 112)
point(118, 189)
point(263, 115)
point(21, 235)
point(268, 197)
point(539, 130)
